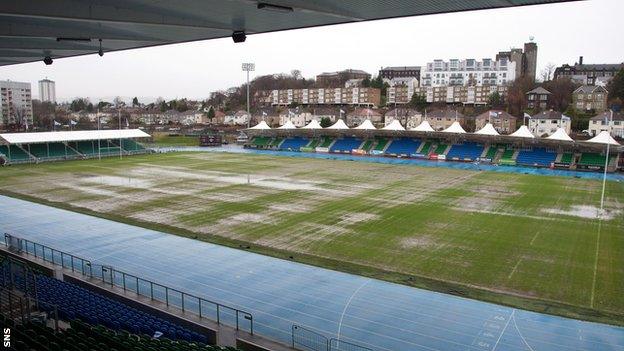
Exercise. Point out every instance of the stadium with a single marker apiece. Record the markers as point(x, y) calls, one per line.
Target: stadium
point(311, 239)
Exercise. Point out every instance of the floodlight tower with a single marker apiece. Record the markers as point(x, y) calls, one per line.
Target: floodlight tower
point(248, 67)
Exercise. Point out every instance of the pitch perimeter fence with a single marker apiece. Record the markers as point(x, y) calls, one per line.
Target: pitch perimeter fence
point(215, 311)
point(308, 340)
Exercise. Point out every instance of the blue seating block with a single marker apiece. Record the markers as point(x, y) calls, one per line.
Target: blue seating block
point(77, 302)
point(346, 144)
point(294, 143)
point(536, 157)
point(466, 150)
point(403, 146)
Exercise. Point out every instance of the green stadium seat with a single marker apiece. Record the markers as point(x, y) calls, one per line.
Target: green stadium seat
point(381, 144)
point(440, 149)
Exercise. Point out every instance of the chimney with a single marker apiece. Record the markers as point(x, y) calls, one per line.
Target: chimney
point(580, 60)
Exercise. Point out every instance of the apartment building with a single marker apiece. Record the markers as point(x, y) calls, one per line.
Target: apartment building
point(590, 97)
point(547, 122)
point(442, 119)
point(468, 72)
point(588, 74)
point(47, 91)
point(15, 103)
point(356, 96)
point(603, 121)
point(401, 90)
point(538, 98)
point(503, 122)
point(467, 95)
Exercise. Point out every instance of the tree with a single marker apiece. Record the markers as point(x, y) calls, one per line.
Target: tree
point(135, 101)
point(418, 101)
point(516, 95)
point(118, 102)
point(495, 100)
point(103, 104)
point(296, 74)
point(616, 87)
point(211, 113)
point(561, 92)
point(325, 122)
point(547, 72)
point(79, 104)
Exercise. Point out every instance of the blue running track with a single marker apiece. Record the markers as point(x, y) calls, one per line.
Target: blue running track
point(377, 314)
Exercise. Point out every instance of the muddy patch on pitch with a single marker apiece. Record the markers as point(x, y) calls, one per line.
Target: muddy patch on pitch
point(585, 211)
point(421, 242)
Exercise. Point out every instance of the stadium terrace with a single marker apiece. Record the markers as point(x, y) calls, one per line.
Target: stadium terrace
point(452, 144)
point(69, 145)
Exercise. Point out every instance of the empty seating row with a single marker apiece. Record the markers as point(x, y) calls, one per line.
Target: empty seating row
point(403, 147)
point(81, 336)
point(346, 144)
point(465, 151)
point(77, 302)
point(294, 143)
point(592, 159)
point(536, 157)
point(260, 141)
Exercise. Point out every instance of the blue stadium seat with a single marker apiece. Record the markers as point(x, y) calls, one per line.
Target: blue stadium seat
point(294, 143)
point(465, 151)
point(403, 146)
point(536, 157)
point(77, 302)
point(346, 144)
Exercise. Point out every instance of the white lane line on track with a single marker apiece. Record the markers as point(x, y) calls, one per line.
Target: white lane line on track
point(348, 303)
point(521, 336)
point(505, 328)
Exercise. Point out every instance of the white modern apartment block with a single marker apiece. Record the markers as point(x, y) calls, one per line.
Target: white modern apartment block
point(468, 72)
point(47, 91)
point(547, 122)
point(15, 103)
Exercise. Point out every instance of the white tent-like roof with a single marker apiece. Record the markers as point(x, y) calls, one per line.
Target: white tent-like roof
point(455, 128)
point(288, 125)
point(560, 134)
point(262, 126)
point(79, 135)
point(394, 125)
point(603, 138)
point(522, 132)
point(424, 126)
point(488, 129)
point(314, 124)
point(366, 125)
point(340, 124)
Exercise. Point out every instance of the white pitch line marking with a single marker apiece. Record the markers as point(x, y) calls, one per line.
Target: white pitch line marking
point(593, 290)
point(505, 328)
point(347, 305)
point(514, 269)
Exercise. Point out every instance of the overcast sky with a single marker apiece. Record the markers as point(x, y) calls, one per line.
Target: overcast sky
point(562, 32)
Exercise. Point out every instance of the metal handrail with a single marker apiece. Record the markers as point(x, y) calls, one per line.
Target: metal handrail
point(108, 275)
point(26, 305)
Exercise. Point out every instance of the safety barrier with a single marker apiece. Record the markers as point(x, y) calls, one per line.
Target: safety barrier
point(308, 340)
point(222, 314)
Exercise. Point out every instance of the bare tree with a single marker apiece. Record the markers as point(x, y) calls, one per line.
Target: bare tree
point(547, 72)
point(295, 73)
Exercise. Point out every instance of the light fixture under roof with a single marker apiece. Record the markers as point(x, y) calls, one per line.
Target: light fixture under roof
point(274, 8)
